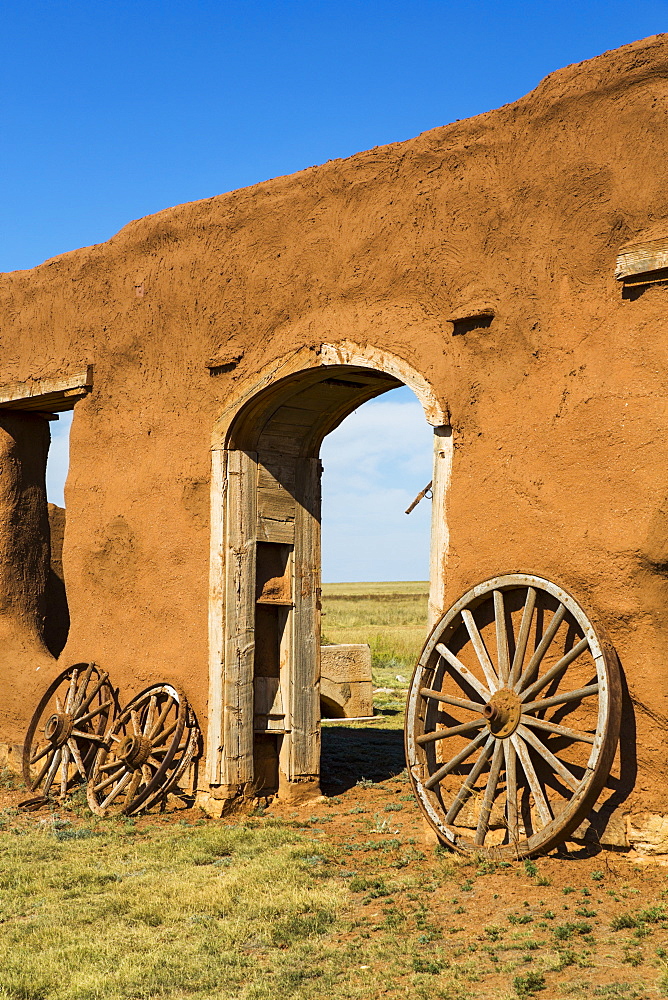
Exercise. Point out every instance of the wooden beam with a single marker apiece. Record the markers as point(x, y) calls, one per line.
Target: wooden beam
point(214, 755)
point(240, 558)
point(642, 261)
point(47, 394)
point(304, 682)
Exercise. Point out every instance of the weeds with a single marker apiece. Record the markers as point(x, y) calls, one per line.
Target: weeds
point(652, 915)
point(9, 780)
point(564, 932)
point(526, 986)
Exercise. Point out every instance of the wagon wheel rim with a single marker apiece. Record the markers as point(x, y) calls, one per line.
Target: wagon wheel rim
point(66, 730)
point(143, 754)
point(512, 718)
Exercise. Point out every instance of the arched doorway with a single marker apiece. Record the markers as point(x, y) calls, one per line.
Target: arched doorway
point(264, 704)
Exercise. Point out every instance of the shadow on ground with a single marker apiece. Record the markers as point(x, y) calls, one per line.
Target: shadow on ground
point(349, 755)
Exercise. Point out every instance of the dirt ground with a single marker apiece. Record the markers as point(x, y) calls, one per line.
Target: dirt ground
point(581, 922)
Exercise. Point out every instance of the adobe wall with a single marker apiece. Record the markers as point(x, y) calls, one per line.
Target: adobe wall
point(559, 408)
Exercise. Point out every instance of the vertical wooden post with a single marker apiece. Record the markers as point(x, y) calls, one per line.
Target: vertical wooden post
point(440, 534)
point(240, 562)
point(214, 754)
point(303, 758)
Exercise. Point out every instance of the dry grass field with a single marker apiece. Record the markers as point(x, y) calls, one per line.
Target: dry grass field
point(341, 898)
point(391, 617)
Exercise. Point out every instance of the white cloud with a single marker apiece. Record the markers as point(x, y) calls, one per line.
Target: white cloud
point(375, 463)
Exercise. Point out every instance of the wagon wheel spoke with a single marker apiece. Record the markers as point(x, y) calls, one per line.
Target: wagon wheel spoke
point(551, 727)
point(466, 789)
point(117, 789)
point(150, 715)
point(64, 770)
point(541, 650)
point(501, 637)
point(102, 682)
point(40, 754)
point(161, 718)
point(135, 785)
point(470, 706)
point(444, 734)
point(567, 776)
point(561, 699)
point(163, 737)
point(119, 770)
point(51, 773)
point(36, 782)
point(463, 672)
point(74, 750)
point(523, 637)
point(82, 734)
point(510, 759)
point(67, 727)
point(455, 761)
point(81, 693)
point(530, 777)
point(480, 650)
point(71, 691)
point(556, 671)
point(534, 784)
point(490, 790)
point(80, 719)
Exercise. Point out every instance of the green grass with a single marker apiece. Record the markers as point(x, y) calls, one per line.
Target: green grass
point(390, 617)
point(176, 912)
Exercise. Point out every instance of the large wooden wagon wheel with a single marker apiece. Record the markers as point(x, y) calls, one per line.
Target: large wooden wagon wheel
point(512, 718)
point(151, 743)
point(67, 729)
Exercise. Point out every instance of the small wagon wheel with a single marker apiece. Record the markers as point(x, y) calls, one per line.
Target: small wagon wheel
point(512, 718)
point(67, 729)
point(151, 743)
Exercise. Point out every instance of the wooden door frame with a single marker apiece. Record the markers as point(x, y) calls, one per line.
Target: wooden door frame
point(229, 696)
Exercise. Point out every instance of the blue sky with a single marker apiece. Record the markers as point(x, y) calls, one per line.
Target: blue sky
point(112, 110)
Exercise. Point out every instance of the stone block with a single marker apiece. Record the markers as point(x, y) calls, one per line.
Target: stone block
point(346, 688)
point(647, 832)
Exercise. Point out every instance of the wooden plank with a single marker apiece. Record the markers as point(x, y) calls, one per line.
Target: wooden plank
point(642, 258)
point(440, 534)
point(216, 616)
point(276, 470)
point(268, 696)
point(304, 680)
point(54, 393)
point(276, 504)
point(279, 532)
point(241, 520)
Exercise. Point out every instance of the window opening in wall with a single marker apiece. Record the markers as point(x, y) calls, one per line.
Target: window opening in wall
point(375, 572)
point(57, 618)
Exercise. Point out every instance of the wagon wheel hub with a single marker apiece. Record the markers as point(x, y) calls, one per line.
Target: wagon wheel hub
point(134, 751)
point(503, 712)
point(58, 727)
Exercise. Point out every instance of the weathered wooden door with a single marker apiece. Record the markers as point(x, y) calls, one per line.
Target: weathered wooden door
point(271, 698)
